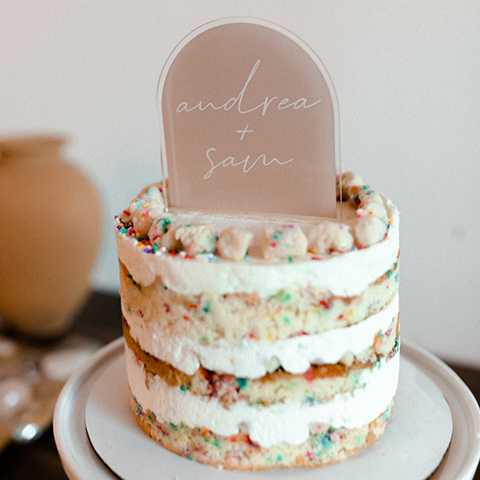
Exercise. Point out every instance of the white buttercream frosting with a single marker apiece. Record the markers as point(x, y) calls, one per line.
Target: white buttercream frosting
point(253, 359)
point(347, 274)
point(281, 422)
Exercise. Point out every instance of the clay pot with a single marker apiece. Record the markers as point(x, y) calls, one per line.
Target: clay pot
point(49, 236)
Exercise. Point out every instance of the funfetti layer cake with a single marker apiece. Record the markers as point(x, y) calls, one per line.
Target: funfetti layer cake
point(257, 344)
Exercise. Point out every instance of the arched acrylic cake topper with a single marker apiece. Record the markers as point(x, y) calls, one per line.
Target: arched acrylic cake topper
point(249, 122)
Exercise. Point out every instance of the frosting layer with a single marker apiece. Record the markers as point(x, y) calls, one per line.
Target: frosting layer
point(282, 422)
point(253, 359)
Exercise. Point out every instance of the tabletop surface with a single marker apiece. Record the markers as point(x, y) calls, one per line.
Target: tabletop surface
point(101, 319)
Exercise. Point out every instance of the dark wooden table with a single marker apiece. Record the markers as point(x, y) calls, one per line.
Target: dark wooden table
point(101, 319)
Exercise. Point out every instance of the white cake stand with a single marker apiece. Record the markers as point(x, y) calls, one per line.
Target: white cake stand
point(435, 427)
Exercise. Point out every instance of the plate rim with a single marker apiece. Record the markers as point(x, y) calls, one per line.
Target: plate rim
point(70, 407)
point(454, 390)
point(71, 404)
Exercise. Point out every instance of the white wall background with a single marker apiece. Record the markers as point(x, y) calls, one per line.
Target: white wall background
point(407, 76)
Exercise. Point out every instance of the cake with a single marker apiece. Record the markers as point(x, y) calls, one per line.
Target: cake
point(257, 343)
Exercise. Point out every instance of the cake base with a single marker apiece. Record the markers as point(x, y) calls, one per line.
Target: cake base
point(325, 444)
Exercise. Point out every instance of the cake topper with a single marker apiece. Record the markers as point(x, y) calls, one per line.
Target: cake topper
point(249, 122)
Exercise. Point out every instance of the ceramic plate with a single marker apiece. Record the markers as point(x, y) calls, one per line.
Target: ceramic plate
point(97, 435)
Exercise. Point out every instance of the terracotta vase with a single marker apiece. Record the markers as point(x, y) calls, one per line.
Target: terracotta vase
point(49, 236)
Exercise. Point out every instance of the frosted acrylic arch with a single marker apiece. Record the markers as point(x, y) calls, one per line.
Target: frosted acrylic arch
point(249, 122)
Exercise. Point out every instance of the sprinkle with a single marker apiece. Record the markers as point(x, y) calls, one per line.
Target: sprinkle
point(251, 442)
point(242, 383)
point(152, 417)
point(309, 374)
point(284, 297)
point(324, 304)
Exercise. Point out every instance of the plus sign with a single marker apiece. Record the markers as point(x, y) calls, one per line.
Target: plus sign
point(244, 131)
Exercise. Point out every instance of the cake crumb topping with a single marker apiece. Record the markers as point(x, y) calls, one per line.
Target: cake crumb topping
point(158, 232)
point(286, 241)
point(368, 229)
point(329, 237)
point(348, 180)
point(196, 239)
point(145, 209)
point(233, 243)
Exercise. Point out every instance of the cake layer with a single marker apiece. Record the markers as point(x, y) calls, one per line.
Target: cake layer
point(251, 358)
point(319, 383)
point(324, 445)
point(208, 317)
point(288, 421)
